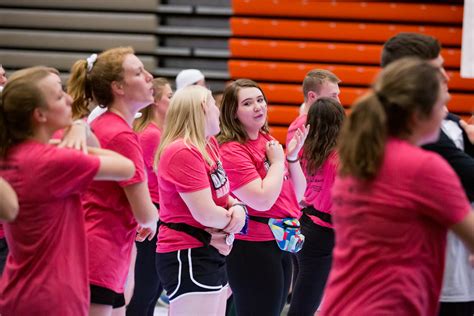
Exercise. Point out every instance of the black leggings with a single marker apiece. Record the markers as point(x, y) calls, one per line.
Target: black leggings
point(148, 287)
point(456, 309)
point(314, 262)
point(3, 254)
point(259, 275)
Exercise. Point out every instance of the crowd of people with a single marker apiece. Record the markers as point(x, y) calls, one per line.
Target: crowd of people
point(121, 188)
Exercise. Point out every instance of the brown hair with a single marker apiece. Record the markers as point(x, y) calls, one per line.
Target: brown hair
point(404, 87)
point(231, 128)
point(148, 112)
point(95, 84)
point(315, 79)
point(408, 44)
point(19, 98)
point(325, 118)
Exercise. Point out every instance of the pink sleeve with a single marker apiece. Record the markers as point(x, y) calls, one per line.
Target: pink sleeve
point(187, 170)
point(238, 165)
point(127, 145)
point(73, 172)
point(291, 132)
point(441, 191)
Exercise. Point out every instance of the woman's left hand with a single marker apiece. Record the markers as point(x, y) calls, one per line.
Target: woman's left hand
point(75, 137)
point(296, 143)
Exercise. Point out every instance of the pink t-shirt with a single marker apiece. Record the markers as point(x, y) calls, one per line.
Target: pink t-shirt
point(319, 185)
point(247, 162)
point(391, 235)
point(299, 122)
point(149, 140)
point(182, 169)
point(46, 269)
point(110, 224)
point(2, 233)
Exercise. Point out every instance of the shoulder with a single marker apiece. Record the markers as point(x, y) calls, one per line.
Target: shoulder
point(179, 149)
point(298, 122)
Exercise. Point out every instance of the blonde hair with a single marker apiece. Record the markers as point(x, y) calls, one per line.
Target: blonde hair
point(148, 112)
point(186, 118)
point(19, 98)
point(95, 84)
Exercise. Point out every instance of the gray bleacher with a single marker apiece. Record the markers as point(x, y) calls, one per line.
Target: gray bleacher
point(167, 35)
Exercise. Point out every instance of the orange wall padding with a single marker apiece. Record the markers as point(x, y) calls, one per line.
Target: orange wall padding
point(276, 42)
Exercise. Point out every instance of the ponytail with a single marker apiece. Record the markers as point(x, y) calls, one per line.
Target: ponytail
point(78, 87)
point(404, 88)
point(362, 139)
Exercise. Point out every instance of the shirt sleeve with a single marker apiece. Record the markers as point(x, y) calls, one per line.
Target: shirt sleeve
point(442, 191)
point(187, 170)
point(69, 171)
point(238, 165)
point(127, 145)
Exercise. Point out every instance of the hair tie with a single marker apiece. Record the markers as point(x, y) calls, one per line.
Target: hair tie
point(90, 62)
point(382, 98)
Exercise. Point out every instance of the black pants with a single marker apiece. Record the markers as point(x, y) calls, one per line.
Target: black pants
point(3, 254)
point(259, 275)
point(314, 262)
point(148, 287)
point(456, 309)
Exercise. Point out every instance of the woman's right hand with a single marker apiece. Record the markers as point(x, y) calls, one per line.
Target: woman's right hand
point(237, 221)
point(274, 151)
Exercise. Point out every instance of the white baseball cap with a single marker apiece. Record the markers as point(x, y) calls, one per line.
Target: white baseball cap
point(188, 77)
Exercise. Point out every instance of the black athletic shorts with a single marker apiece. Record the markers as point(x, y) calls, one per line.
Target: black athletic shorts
point(103, 296)
point(195, 270)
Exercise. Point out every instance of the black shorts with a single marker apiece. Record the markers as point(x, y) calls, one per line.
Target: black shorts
point(195, 270)
point(103, 296)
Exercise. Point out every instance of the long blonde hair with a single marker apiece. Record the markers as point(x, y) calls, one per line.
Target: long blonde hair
point(186, 118)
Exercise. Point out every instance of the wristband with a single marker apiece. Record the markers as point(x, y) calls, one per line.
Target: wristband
point(244, 229)
point(292, 161)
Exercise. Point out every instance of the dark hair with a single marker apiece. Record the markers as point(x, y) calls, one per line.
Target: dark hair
point(410, 45)
point(231, 128)
point(405, 87)
point(85, 85)
point(315, 79)
point(325, 118)
point(19, 98)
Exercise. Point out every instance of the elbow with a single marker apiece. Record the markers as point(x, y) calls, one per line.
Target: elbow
point(127, 171)
point(261, 204)
point(11, 214)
